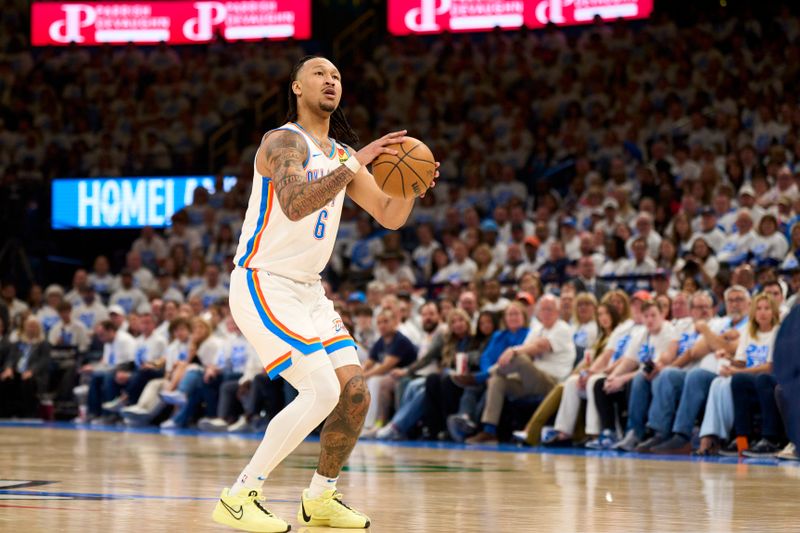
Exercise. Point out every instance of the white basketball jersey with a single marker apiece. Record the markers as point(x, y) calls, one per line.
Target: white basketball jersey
point(273, 243)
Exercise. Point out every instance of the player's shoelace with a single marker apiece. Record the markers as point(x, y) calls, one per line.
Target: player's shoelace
point(337, 497)
point(256, 500)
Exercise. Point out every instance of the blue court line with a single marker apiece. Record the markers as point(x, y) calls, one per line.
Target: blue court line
point(501, 448)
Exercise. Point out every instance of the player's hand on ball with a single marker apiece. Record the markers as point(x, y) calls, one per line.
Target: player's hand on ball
point(433, 183)
point(366, 155)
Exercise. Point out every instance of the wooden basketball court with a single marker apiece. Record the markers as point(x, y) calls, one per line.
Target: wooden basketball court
point(82, 480)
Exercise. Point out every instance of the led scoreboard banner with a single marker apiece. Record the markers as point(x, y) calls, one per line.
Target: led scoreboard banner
point(120, 203)
point(181, 22)
point(437, 16)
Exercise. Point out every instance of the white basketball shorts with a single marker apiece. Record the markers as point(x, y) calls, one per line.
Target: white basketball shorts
point(286, 320)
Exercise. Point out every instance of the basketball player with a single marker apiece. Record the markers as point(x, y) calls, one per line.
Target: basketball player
point(302, 172)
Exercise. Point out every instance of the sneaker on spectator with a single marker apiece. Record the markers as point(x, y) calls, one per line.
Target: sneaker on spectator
point(241, 425)
point(169, 424)
point(81, 393)
point(675, 445)
point(389, 432)
point(115, 405)
point(731, 450)
point(212, 424)
point(443, 436)
point(369, 434)
point(174, 397)
point(108, 420)
point(520, 436)
point(648, 445)
point(605, 441)
point(789, 453)
point(628, 443)
point(460, 427)
point(763, 448)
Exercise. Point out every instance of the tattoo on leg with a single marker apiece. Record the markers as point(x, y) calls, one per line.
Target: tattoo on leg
point(343, 426)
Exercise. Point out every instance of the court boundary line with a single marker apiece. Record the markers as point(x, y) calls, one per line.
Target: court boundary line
point(498, 448)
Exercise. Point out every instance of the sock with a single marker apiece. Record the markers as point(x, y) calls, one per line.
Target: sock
point(491, 429)
point(318, 394)
point(320, 484)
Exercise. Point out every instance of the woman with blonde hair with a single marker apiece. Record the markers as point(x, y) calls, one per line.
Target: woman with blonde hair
point(753, 357)
point(203, 363)
point(25, 371)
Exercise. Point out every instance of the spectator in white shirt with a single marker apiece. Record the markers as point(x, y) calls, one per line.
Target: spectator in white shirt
point(48, 314)
point(101, 278)
point(770, 247)
point(736, 249)
point(68, 332)
point(644, 229)
point(127, 296)
point(150, 247)
point(119, 349)
point(640, 263)
point(91, 311)
point(391, 270)
point(15, 306)
point(79, 279)
point(709, 230)
point(493, 300)
point(544, 359)
point(210, 290)
point(142, 277)
point(461, 269)
point(784, 186)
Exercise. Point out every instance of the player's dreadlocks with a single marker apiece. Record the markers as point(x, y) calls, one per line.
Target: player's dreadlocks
point(339, 128)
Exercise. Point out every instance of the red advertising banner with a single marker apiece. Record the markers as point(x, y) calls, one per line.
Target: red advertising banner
point(436, 16)
point(181, 22)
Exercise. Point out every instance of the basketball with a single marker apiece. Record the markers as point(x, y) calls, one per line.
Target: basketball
point(407, 174)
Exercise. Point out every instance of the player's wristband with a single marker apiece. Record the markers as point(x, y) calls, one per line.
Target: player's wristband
point(353, 164)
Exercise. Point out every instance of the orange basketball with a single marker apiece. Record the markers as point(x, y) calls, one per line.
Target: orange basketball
point(407, 174)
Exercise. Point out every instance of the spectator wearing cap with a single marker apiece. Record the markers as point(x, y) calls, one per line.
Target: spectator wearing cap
point(610, 217)
point(48, 314)
point(709, 229)
point(211, 289)
point(67, 331)
point(739, 244)
point(423, 253)
point(771, 246)
point(119, 317)
point(530, 247)
point(747, 200)
point(490, 235)
point(24, 372)
point(15, 306)
point(391, 270)
point(461, 268)
point(91, 310)
point(127, 295)
point(151, 247)
point(101, 279)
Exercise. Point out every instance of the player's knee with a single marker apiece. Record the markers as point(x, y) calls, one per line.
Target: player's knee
point(357, 396)
point(328, 391)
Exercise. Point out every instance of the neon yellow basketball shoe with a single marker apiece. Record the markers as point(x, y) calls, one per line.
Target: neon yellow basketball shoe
point(329, 510)
point(246, 511)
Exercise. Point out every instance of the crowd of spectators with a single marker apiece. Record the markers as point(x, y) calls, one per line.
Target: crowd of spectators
point(613, 243)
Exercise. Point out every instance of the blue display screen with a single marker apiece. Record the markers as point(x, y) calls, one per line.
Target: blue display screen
point(132, 202)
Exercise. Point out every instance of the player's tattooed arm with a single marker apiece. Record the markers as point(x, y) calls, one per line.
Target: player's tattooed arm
point(284, 154)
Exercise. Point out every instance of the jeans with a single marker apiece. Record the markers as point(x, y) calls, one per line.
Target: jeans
point(209, 392)
point(718, 419)
point(753, 392)
point(102, 388)
point(693, 399)
point(412, 406)
point(667, 389)
point(638, 404)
